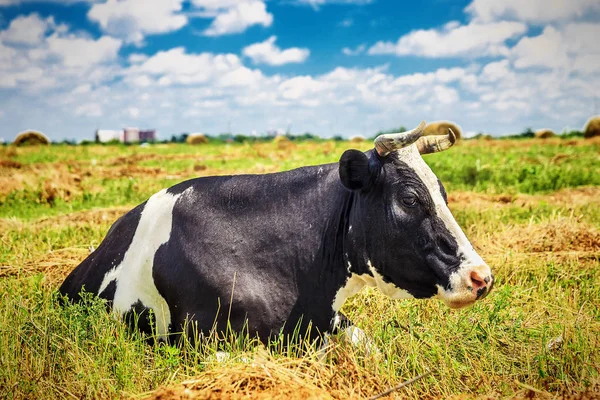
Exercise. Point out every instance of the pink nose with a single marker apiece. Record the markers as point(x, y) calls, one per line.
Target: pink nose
point(480, 286)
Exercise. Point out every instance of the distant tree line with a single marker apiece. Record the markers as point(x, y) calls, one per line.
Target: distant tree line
point(529, 133)
point(240, 138)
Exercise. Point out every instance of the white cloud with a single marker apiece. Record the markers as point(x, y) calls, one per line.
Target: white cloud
point(135, 58)
point(445, 95)
point(27, 30)
point(495, 71)
point(268, 52)
point(543, 50)
point(442, 75)
point(534, 11)
point(133, 112)
point(570, 47)
point(175, 66)
point(132, 20)
point(141, 80)
point(72, 81)
point(82, 89)
point(6, 53)
point(454, 40)
point(81, 52)
point(317, 3)
point(302, 88)
point(37, 62)
point(355, 51)
point(233, 16)
point(215, 4)
point(89, 110)
point(15, 2)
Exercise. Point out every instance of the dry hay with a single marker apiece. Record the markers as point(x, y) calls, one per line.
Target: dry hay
point(31, 138)
point(592, 127)
point(281, 139)
point(55, 265)
point(82, 218)
point(544, 134)
point(442, 128)
point(282, 142)
point(10, 164)
point(53, 181)
point(569, 198)
point(196, 138)
point(531, 393)
point(340, 377)
point(266, 377)
point(357, 139)
point(562, 235)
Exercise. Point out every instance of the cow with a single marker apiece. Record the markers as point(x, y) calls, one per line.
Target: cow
point(280, 253)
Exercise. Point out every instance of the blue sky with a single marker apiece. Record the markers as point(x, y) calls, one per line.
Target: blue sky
point(332, 67)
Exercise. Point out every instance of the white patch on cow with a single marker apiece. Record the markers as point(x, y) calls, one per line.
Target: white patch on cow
point(356, 283)
point(133, 276)
point(459, 280)
point(387, 288)
point(353, 285)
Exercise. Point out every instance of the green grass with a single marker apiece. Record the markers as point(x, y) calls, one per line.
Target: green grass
point(488, 167)
point(539, 328)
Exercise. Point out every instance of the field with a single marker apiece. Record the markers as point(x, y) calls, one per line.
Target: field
point(530, 207)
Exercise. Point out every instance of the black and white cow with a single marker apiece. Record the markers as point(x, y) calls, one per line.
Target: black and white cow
point(276, 251)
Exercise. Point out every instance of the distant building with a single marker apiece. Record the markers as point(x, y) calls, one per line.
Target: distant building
point(148, 135)
point(109, 135)
point(127, 135)
point(131, 135)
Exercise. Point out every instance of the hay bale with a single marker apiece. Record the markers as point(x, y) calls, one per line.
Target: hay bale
point(592, 127)
point(196, 138)
point(544, 134)
point(441, 128)
point(281, 139)
point(357, 139)
point(31, 138)
point(283, 142)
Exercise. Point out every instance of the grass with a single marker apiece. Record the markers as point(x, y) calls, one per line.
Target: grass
point(532, 210)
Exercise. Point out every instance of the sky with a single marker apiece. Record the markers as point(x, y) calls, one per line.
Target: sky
point(330, 67)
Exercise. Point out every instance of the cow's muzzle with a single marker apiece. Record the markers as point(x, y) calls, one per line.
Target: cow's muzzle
point(479, 285)
point(467, 285)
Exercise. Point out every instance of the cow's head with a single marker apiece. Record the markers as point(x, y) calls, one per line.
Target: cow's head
point(406, 240)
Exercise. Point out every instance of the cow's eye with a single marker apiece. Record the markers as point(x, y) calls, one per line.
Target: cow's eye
point(409, 201)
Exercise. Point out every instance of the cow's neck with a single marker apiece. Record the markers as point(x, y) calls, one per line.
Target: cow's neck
point(342, 256)
point(359, 271)
point(328, 205)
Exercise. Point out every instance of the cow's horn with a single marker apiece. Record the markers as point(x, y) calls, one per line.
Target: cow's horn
point(433, 144)
point(385, 144)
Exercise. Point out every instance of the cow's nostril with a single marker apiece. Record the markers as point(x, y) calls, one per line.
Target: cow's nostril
point(477, 282)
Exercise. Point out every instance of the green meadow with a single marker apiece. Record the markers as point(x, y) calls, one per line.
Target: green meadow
point(530, 207)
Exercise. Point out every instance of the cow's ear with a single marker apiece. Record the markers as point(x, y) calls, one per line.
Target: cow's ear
point(357, 171)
